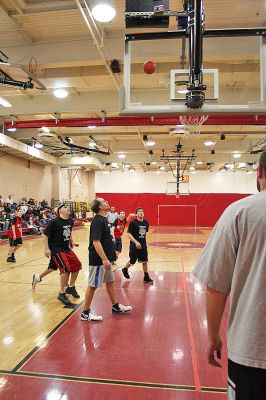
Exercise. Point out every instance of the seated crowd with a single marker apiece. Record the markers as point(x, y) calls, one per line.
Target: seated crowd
point(35, 215)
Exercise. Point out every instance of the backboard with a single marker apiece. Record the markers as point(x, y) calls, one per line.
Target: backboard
point(233, 71)
point(182, 189)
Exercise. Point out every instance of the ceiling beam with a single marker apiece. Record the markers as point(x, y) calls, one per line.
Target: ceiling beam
point(26, 36)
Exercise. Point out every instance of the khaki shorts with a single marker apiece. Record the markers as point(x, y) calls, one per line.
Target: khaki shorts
point(99, 275)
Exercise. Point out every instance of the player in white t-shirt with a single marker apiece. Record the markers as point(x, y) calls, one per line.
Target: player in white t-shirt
point(234, 262)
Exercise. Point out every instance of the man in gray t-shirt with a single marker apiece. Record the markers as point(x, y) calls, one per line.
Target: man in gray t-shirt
point(234, 261)
point(112, 216)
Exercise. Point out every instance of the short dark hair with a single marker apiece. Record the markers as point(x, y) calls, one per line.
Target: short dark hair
point(139, 208)
point(121, 211)
point(95, 205)
point(262, 161)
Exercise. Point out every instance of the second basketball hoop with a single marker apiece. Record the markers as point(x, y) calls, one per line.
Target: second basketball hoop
point(192, 124)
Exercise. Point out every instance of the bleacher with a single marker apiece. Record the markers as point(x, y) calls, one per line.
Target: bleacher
point(26, 231)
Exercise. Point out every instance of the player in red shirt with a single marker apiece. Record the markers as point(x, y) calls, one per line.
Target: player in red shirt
point(119, 227)
point(15, 235)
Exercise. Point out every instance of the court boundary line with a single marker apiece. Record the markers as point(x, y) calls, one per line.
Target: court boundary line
point(102, 381)
point(193, 352)
point(178, 205)
point(47, 337)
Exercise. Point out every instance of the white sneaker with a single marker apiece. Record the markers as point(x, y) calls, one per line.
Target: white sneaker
point(122, 309)
point(90, 317)
point(35, 279)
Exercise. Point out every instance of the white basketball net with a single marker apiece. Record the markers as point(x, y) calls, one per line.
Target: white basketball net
point(193, 124)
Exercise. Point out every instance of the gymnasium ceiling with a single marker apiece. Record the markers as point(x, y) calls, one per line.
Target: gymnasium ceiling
point(56, 35)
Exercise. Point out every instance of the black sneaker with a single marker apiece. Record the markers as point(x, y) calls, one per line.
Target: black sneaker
point(62, 297)
point(13, 257)
point(10, 259)
point(72, 290)
point(125, 273)
point(147, 279)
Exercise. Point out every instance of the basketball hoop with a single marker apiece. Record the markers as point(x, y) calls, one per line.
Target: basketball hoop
point(33, 64)
point(193, 124)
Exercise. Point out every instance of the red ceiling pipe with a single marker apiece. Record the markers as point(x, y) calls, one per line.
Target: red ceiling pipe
point(136, 120)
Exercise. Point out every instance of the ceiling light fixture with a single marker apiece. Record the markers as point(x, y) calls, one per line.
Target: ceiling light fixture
point(91, 126)
point(150, 142)
point(182, 91)
point(38, 145)
point(5, 103)
point(209, 143)
point(11, 129)
point(45, 129)
point(92, 145)
point(237, 155)
point(199, 162)
point(60, 93)
point(121, 155)
point(103, 13)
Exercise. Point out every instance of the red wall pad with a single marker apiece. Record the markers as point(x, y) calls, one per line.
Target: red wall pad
point(198, 209)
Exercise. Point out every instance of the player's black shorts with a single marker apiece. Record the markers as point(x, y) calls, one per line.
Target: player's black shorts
point(246, 383)
point(15, 242)
point(138, 255)
point(118, 244)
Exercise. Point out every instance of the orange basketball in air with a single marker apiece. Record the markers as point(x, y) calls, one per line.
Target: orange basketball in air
point(149, 67)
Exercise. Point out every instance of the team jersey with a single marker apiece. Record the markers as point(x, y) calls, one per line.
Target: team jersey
point(100, 229)
point(119, 227)
point(17, 223)
point(138, 230)
point(58, 232)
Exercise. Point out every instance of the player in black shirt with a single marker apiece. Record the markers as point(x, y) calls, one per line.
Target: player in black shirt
point(58, 247)
point(138, 251)
point(101, 256)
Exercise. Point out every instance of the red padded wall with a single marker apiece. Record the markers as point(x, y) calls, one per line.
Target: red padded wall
point(209, 206)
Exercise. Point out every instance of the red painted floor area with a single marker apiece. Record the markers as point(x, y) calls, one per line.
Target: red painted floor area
point(149, 345)
point(162, 342)
point(182, 230)
point(52, 389)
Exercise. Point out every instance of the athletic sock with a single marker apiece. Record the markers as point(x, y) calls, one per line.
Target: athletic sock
point(86, 312)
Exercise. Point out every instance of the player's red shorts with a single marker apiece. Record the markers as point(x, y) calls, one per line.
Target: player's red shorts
point(67, 261)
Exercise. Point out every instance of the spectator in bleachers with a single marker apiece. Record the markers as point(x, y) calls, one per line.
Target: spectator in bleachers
point(7, 207)
point(9, 200)
point(34, 226)
point(44, 204)
point(3, 221)
point(23, 206)
point(44, 220)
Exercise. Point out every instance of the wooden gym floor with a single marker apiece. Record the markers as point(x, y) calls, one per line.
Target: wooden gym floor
point(155, 353)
